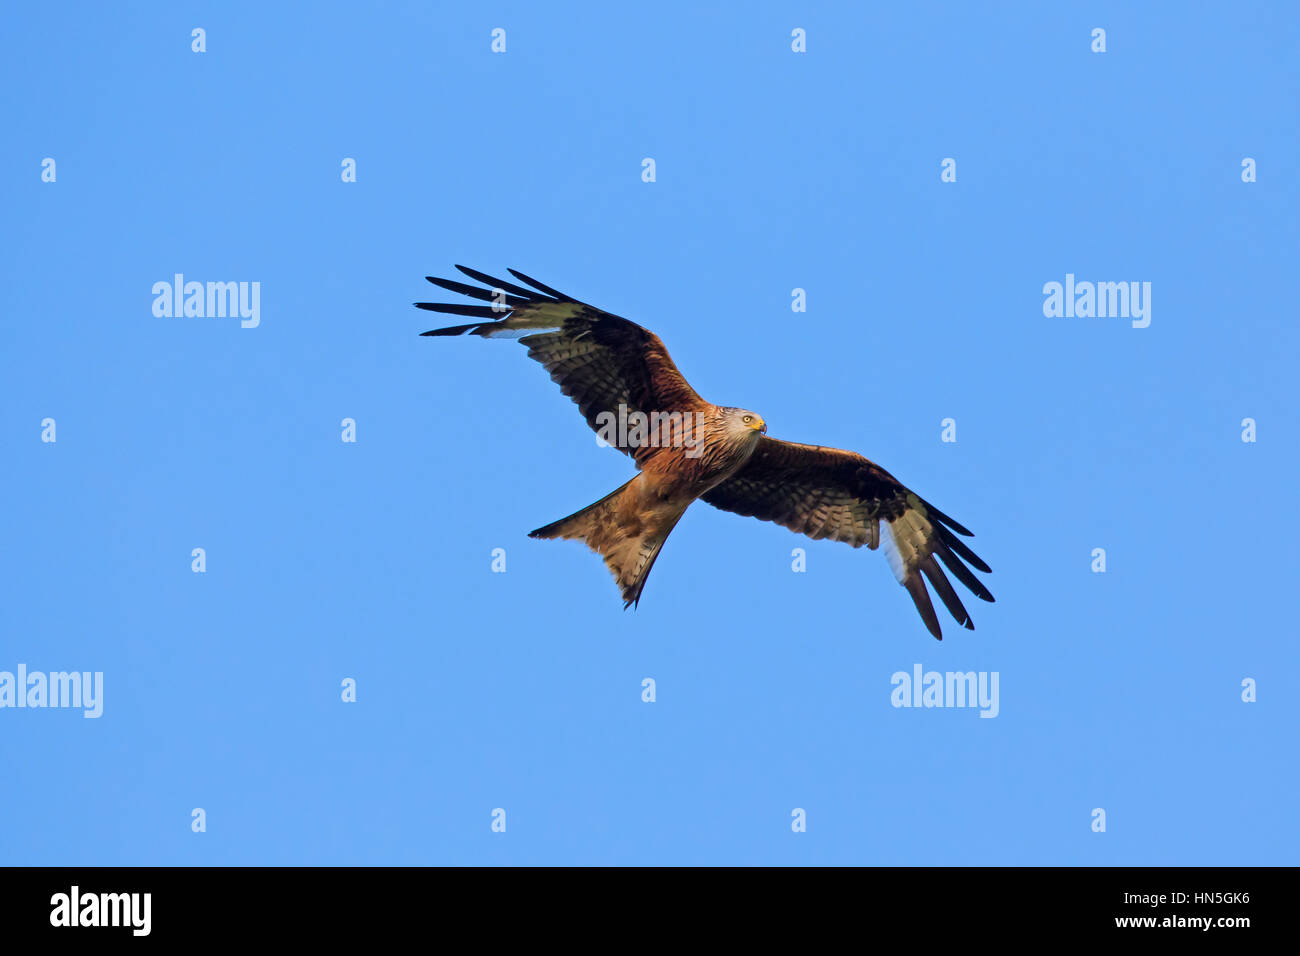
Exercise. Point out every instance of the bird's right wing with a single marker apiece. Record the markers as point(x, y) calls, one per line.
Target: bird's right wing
point(606, 364)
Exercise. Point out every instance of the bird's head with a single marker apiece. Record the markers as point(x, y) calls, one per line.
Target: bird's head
point(744, 423)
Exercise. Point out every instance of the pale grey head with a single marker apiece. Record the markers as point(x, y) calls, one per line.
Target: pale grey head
point(743, 424)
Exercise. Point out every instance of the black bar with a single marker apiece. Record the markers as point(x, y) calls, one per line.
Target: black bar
point(378, 904)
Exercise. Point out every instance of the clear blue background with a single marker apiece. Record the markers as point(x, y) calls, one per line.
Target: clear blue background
point(522, 690)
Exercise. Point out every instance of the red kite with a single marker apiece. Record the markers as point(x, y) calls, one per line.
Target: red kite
point(631, 393)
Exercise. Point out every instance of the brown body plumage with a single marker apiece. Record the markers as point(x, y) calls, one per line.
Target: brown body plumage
point(629, 527)
point(615, 369)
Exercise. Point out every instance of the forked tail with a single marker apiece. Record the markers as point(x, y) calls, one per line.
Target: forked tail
point(617, 528)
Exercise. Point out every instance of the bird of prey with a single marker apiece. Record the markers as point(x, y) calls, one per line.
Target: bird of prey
point(627, 387)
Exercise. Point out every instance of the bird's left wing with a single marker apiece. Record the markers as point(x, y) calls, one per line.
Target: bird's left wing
point(836, 494)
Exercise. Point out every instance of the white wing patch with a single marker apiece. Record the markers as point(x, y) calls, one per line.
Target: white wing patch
point(907, 542)
point(532, 319)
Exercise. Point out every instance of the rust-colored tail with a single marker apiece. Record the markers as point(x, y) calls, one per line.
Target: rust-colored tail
point(619, 530)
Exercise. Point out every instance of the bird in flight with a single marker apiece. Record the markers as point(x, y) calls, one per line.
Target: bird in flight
point(627, 387)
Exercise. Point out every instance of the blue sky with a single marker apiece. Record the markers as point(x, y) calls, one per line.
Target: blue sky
point(521, 690)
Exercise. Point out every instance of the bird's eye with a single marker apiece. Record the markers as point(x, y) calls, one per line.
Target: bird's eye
point(748, 419)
